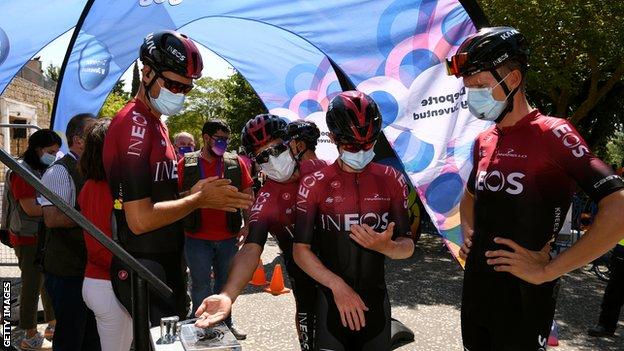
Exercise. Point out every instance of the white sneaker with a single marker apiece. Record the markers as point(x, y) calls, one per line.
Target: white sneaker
point(33, 343)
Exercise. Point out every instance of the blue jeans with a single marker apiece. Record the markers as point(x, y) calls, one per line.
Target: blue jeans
point(204, 257)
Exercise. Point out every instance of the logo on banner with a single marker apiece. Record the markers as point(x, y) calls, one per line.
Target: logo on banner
point(4, 46)
point(93, 64)
point(146, 3)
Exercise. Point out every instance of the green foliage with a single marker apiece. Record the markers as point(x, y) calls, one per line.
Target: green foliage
point(52, 72)
point(114, 102)
point(615, 149)
point(577, 58)
point(231, 99)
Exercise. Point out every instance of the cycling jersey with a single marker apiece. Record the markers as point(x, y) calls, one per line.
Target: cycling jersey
point(328, 203)
point(523, 179)
point(140, 162)
point(274, 212)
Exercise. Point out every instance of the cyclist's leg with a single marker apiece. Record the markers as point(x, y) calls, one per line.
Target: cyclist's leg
point(376, 335)
point(475, 334)
point(330, 334)
point(304, 290)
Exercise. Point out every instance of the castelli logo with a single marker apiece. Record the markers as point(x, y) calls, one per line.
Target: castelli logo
point(122, 274)
point(146, 3)
point(335, 184)
point(286, 196)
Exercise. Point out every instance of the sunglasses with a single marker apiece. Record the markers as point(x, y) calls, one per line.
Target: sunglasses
point(276, 150)
point(175, 86)
point(455, 65)
point(358, 147)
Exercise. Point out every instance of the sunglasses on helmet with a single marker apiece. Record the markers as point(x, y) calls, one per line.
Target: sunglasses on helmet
point(358, 147)
point(175, 86)
point(276, 150)
point(455, 65)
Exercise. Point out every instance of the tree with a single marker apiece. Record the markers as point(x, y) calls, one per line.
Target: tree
point(118, 89)
point(577, 59)
point(136, 79)
point(52, 72)
point(231, 99)
point(114, 102)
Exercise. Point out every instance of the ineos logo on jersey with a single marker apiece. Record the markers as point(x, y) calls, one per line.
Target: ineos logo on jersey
point(176, 53)
point(137, 134)
point(304, 189)
point(570, 140)
point(146, 3)
point(496, 181)
point(343, 222)
point(166, 170)
point(261, 199)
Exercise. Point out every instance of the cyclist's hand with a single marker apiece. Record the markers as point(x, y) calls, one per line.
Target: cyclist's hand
point(219, 195)
point(350, 306)
point(525, 264)
point(467, 245)
point(213, 310)
point(370, 239)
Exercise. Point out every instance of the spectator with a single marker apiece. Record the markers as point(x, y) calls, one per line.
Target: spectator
point(613, 296)
point(212, 235)
point(64, 253)
point(114, 323)
point(140, 165)
point(25, 222)
point(183, 142)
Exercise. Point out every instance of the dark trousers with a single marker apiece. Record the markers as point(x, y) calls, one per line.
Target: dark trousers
point(76, 329)
point(614, 293)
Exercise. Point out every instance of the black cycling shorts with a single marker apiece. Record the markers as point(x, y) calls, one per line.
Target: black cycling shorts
point(332, 335)
point(304, 290)
point(500, 312)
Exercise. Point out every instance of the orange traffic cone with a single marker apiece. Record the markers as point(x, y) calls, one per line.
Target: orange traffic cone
point(259, 278)
point(277, 282)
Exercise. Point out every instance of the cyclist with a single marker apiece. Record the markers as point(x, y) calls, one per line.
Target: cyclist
point(264, 138)
point(355, 214)
point(525, 167)
point(140, 165)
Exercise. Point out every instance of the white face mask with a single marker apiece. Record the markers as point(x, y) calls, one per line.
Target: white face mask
point(279, 168)
point(167, 102)
point(47, 159)
point(358, 160)
point(483, 105)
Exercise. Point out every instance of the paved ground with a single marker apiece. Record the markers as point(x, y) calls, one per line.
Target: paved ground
point(425, 294)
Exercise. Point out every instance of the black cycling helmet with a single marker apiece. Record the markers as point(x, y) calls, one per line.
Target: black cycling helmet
point(353, 118)
point(171, 51)
point(488, 49)
point(304, 130)
point(262, 129)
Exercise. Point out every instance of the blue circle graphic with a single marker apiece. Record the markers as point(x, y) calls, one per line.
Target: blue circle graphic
point(307, 107)
point(445, 192)
point(415, 63)
point(5, 46)
point(388, 106)
point(94, 64)
point(415, 153)
point(456, 25)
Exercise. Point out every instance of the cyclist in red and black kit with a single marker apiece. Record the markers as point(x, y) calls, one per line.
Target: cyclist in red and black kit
point(354, 214)
point(264, 137)
point(526, 168)
point(140, 165)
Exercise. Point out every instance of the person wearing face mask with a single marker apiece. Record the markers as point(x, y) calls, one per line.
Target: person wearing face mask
point(64, 252)
point(525, 170)
point(355, 214)
point(212, 236)
point(141, 169)
point(183, 143)
point(264, 138)
point(25, 224)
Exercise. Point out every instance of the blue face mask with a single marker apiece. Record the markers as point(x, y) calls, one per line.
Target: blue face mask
point(483, 105)
point(220, 145)
point(47, 159)
point(167, 102)
point(184, 150)
point(357, 160)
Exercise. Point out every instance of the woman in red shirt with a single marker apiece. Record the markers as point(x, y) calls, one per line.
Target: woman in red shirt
point(25, 220)
point(114, 323)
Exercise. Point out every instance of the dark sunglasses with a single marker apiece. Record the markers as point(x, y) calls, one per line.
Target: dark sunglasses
point(455, 65)
point(175, 86)
point(274, 151)
point(358, 147)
